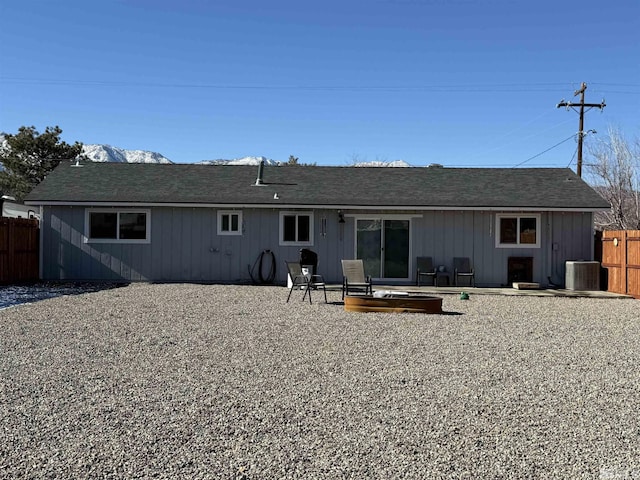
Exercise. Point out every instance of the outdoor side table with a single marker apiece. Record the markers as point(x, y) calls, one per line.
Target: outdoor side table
point(443, 275)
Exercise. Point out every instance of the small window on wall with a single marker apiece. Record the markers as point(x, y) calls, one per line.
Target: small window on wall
point(117, 226)
point(518, 231)
point(229, 223)
point(296, 228)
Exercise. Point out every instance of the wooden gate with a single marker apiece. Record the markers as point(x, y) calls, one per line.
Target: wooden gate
point(18, 250)
point(621, 258)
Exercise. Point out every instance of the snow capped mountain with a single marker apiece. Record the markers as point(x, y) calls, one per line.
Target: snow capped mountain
point(276, 163)
point(242, 161)
point(107, 153)
point(377, 163)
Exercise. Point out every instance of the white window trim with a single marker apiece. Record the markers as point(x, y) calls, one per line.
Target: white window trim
point(297, 214)
point(500, 216)
point(221, 213)
point(87, 216)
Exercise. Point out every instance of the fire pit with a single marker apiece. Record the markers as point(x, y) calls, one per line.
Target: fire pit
point(393, 304)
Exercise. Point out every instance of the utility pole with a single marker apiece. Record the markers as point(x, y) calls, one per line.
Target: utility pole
point(582, 106)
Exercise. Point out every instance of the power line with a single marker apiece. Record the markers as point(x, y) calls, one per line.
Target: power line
point(572, 157)
point(617, 84)
point(519, 140)
point(541, 153)
point(499, 87)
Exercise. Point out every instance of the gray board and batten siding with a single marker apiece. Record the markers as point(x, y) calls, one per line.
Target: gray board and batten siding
point(447, 234)
point(185, 246)
point(451, 212)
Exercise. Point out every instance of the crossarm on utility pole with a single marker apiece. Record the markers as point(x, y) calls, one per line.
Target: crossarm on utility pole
point(582, 106)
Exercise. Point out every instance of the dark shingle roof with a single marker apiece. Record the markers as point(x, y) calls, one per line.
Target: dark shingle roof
point(309, 186)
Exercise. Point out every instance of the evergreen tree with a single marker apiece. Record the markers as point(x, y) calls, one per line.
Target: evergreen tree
point(28, 156)
point(295, 161)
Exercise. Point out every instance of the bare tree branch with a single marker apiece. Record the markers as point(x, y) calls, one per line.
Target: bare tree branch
point(614, 171)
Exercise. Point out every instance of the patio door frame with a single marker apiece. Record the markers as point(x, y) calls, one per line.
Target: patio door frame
point(382, 219)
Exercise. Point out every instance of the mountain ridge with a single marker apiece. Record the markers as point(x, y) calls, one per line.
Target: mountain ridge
point(108, 153)
point(105, 153)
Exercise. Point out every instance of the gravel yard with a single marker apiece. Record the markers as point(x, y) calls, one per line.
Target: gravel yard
point(214, 381)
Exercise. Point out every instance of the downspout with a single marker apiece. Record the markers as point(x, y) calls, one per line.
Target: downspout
point(551, 244)
point(593, 236)
point(41, 245)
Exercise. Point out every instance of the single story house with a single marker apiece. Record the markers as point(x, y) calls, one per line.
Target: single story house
point(204, 223)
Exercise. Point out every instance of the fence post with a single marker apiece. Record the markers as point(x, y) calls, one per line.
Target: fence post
point(625, 281)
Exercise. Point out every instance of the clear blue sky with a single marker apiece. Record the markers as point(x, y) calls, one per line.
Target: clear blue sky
point(457, 82)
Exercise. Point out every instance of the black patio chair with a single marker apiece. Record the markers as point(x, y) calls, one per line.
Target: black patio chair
point(426, 269)
point(307, 282)
point(462, 268)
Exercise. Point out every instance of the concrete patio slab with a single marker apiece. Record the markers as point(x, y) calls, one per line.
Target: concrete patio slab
point(542, 292)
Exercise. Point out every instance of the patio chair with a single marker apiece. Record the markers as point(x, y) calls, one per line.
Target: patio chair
point(427, 270)
point(306, 282)
point(353, 278)
point(462, 268)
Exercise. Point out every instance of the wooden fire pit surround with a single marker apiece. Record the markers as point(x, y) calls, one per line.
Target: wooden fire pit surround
point(393, 304)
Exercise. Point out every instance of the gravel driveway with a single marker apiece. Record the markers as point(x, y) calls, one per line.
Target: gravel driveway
point(195, 381)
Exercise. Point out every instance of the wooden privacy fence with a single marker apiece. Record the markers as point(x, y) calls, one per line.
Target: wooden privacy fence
point(18, 250)
point(621, 258)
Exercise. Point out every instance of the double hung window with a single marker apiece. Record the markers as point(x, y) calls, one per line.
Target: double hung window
point(229, 223)
point(518, 231)
point(296, 228)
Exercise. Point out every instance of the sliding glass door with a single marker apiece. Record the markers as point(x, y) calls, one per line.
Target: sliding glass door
point(383, 245)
